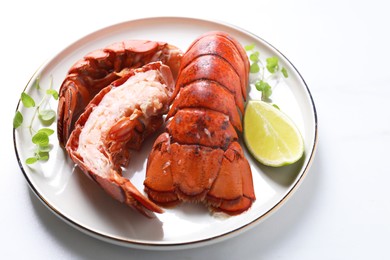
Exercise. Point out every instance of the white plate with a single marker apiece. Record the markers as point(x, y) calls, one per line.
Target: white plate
point(81, 203)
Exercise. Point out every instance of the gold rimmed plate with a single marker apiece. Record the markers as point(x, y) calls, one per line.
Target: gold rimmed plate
point(82, 204)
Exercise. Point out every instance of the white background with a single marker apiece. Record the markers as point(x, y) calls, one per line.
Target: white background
point(341, 48)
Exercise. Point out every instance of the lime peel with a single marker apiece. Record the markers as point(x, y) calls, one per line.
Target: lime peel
point(270, 135)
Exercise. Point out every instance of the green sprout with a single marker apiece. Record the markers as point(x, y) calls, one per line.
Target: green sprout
point(259, 68)
point(46, 116)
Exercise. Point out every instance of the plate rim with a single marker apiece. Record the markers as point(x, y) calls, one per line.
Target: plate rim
point(177, 245)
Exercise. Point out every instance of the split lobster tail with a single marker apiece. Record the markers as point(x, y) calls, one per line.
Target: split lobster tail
point(116, 121)
point(198, 157)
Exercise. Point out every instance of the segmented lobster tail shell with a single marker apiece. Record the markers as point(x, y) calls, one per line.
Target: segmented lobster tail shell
point(198, 158)
point(116, 121)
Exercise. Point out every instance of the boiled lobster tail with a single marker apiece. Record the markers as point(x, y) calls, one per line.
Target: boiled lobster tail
point(99, 68)
point(116, 121)
point(198, 157)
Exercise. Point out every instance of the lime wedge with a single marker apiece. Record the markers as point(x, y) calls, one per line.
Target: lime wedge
point(270, 135)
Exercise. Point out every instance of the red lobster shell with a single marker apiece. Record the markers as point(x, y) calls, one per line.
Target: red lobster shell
point(199, 158)
point(101, 67)
point(116, 120)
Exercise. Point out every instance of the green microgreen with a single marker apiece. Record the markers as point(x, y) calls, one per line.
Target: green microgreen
point(18, 119)
point(262, 71)
point(40, 138)
point(265, 88)
point(250, 47)
point(27, 100)
point(53, 93)
point(272, 64)
point(254, 68)
point(284, 72)
point(46, 115)
point(254, 56)
point(36, 83)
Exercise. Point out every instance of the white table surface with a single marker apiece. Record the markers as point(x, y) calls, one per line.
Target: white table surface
point(341, 48)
